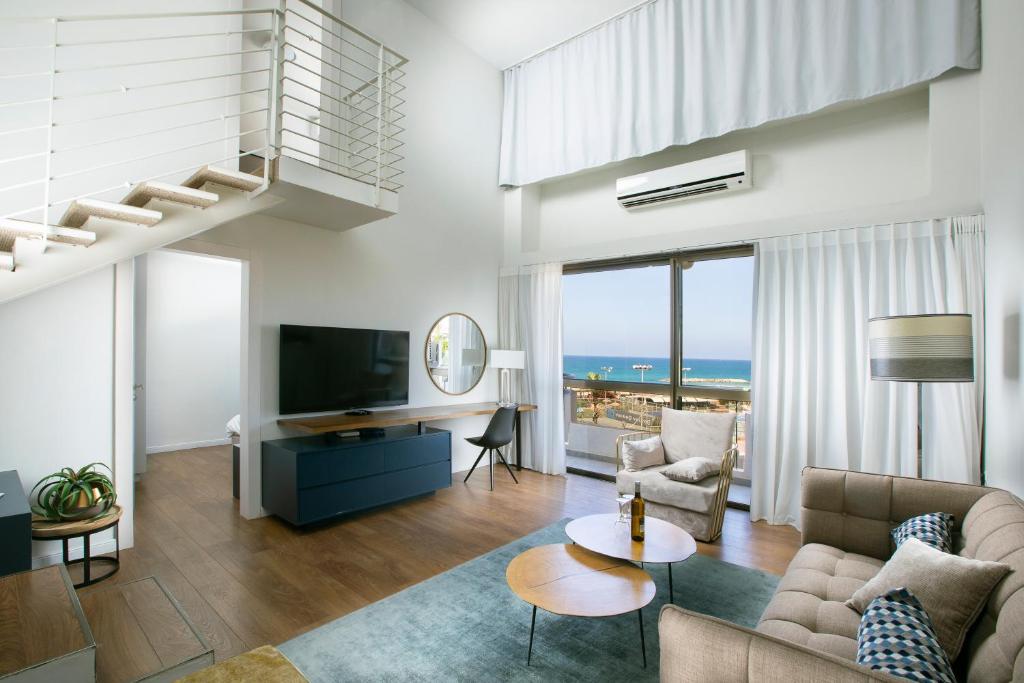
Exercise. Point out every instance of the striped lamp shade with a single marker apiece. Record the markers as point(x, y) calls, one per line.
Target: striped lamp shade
point(922, 348)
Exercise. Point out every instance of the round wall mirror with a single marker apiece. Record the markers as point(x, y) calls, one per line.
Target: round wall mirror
point(455, 353)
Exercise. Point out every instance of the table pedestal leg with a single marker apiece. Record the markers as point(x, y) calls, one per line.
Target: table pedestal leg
point(533, 622)
point(519, 442)
point(643, 646)
point(671, 594)
point(86, 558)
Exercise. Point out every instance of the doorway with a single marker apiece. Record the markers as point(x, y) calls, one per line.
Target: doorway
point(188, 350)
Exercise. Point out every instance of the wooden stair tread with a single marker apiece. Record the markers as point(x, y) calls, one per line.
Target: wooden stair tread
point(58, 233)
point(224, 176)
point(81, 209)
point(7, 241)
point(142, 193)
point(43, 620)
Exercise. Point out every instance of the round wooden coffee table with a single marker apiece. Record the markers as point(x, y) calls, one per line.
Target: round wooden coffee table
point(605, 534)
point(573, 581)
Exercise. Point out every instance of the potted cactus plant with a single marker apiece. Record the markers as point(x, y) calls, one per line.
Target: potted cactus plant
point(72, 495)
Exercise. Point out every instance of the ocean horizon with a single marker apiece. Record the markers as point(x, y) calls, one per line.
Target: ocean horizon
point(729, 372)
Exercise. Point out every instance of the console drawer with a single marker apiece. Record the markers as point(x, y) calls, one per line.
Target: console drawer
point(322, 502)
point(370, 458)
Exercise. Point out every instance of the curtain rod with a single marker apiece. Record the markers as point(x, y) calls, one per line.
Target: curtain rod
point(750, 241)
point(580, 34)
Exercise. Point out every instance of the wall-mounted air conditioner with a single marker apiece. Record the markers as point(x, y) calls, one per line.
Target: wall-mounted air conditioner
point(723, 173)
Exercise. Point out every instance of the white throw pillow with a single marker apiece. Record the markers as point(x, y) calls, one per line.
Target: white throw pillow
point(688, 434)
point(692, 470)
point(952, 589)
point(639, 455)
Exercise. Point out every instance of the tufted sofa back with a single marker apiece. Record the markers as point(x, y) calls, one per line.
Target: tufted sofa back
point(855, 512)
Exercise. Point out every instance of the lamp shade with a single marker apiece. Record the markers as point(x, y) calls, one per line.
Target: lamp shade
point(922, 348)
point(514, 360)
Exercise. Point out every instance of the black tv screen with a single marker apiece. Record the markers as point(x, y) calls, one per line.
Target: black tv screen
point(336, 368)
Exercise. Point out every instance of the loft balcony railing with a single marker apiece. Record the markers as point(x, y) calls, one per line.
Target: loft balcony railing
point(94, 105)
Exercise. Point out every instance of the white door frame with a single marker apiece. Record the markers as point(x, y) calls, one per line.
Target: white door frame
point(249, 497)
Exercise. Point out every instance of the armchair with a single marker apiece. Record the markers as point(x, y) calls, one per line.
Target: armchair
point(699, 508)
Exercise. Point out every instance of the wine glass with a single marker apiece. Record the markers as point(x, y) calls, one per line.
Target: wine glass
point(624, 508)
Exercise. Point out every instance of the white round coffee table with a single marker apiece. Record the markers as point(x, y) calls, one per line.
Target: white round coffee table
point(605, 534)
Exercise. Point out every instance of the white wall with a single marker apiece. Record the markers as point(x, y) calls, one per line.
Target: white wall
point(193, 306)
point(906, 156)
point(1002, 183)
point(441, 253)
point(56, 395)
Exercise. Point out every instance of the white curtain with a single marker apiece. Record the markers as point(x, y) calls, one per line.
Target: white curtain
point(814, 402)
point(675, 71)
point(530, 319)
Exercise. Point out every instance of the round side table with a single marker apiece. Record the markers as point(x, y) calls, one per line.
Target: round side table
point(44, 530)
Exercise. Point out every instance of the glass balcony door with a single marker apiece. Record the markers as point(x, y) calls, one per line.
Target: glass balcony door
point(712, 339)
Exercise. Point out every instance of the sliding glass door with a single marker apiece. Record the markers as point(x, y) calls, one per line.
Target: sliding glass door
point(714, 308)
point(617, 358)
point(642, 335)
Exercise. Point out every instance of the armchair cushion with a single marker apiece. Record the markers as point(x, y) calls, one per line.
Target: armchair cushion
point(687, 434)
point(656, 488)
point(638, 455)
point(692, 470)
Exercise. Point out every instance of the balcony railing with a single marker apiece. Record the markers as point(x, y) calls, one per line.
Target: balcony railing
point(94, 105)
point(599, 410)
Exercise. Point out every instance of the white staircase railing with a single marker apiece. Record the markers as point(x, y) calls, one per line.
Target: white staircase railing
point(98, 107)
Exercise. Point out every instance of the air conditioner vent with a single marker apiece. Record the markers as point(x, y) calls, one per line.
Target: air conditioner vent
point(708, 176)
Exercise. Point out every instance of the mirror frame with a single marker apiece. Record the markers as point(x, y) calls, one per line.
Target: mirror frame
point(426, 359)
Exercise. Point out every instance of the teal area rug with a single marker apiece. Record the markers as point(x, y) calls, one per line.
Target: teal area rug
point(466, 625)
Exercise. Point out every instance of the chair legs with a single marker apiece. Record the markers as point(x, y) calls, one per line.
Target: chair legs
point(505, 463)
point(491, 463)
point(473, 468)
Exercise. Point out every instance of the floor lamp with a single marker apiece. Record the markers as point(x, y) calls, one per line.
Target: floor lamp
point(922, 348)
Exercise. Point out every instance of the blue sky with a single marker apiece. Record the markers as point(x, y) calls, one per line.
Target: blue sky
point(626, 312)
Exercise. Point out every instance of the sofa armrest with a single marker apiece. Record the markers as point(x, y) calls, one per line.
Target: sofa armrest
point(696, 647)
point(855, 511)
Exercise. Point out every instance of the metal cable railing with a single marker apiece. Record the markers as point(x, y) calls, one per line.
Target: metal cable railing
point(93, 105)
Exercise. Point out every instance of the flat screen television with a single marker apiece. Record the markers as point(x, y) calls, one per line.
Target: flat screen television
point(337, 368)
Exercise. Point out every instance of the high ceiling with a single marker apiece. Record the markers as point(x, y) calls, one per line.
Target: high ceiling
point(507, 31)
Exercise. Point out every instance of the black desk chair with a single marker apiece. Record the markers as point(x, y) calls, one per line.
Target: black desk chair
point(498, 434)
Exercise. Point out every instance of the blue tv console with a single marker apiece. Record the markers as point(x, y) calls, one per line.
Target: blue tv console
point(313, 478)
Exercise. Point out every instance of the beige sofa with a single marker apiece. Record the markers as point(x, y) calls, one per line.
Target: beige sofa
point(698, 507)
point(807, 634)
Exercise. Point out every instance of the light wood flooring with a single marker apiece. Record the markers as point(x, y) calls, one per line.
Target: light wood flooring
point(249, 583)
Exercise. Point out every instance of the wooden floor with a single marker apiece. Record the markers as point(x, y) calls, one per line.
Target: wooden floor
point(249, 583)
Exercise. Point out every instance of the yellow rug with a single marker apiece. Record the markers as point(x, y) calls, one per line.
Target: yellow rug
point(264, 664)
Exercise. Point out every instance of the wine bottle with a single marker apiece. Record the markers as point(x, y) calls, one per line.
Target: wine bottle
point(636, 511)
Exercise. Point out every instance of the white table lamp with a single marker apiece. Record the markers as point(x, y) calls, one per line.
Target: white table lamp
point(507, 360)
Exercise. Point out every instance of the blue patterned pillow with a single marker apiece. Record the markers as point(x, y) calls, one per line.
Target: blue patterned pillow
point(896, 636)
point(933, 528)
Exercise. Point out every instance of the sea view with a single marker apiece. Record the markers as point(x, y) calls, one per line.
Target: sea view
point(705, 371)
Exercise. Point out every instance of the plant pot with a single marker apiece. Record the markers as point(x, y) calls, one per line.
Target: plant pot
point(83, 510)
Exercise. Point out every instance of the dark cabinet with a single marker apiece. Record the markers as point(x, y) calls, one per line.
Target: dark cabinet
point(312, 478)
point(15, 526)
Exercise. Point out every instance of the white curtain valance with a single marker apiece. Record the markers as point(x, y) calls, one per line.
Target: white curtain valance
point(675, 71)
